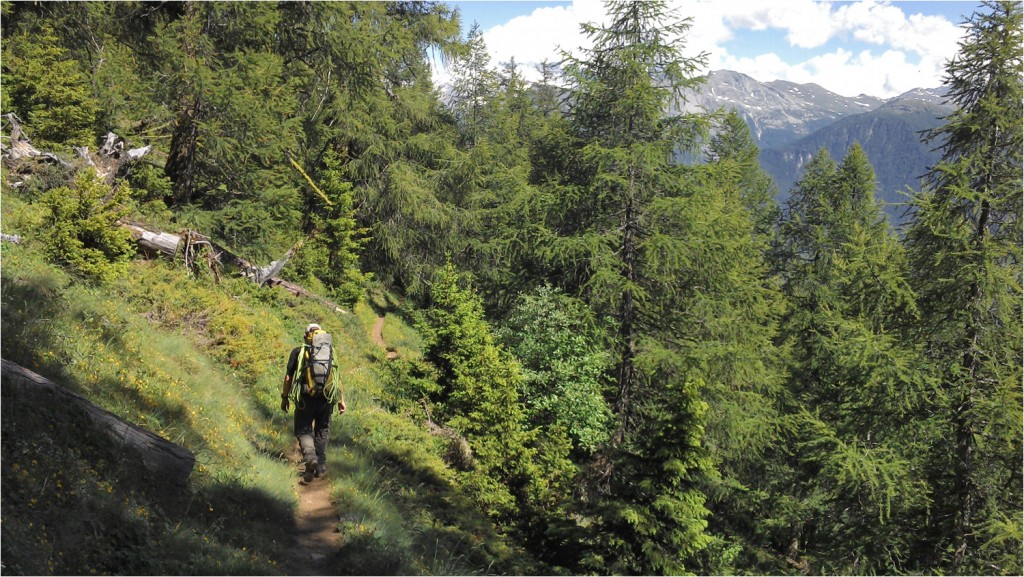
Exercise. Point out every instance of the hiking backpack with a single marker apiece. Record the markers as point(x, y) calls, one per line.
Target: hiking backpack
point(319, 362)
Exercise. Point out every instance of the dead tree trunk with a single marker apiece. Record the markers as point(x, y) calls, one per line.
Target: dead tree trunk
point(171, 244)
point(161, 457)
point(157, 242)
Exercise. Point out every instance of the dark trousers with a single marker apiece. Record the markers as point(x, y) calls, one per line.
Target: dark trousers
point(312, 423)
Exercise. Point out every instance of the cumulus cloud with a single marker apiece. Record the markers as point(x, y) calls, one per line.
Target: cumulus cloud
point(824, 41)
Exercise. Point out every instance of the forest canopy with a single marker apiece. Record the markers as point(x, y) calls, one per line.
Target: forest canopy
point(659, 369)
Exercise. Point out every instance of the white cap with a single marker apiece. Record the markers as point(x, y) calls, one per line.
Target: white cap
point(312, 327)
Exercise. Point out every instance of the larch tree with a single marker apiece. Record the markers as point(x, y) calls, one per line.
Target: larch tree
point(965, 247)
point(667, 252)
point(857, 382)
point(733, 145)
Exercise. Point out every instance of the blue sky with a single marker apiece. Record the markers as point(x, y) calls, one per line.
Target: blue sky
point(881, 48)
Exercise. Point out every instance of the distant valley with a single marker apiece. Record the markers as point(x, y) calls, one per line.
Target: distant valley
point(792, 122)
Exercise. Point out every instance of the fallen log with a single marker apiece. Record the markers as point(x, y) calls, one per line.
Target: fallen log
point(457, 452)
point(161, 242)
point(16, 239)
point(301, 292)
point(166, 460)
point(169, 244)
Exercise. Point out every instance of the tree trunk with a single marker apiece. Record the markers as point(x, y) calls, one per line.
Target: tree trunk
point(158, 242)
point(164, 459)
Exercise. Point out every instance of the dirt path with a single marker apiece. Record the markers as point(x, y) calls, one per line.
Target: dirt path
point(316, 547)
point(378, 329)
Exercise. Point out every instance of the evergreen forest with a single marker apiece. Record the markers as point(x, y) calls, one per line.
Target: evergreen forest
point(611, 350)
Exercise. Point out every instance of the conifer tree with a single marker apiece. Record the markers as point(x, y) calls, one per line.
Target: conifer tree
point(666, 252)
point(857, 379)
point(965, 246)
point(733, 144)
point(473, 86)
point(479, 394)
point(48, 90)
point(367, 96)
point(487, 179)
point(234, 113)
point(332, 254)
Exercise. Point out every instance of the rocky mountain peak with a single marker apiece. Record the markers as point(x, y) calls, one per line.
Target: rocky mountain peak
point(780, 112)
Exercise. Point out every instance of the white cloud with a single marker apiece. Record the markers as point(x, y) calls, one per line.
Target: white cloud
point(540, 35)
point(907, 50)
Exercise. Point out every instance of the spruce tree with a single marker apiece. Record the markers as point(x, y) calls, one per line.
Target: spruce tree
point(479, 395)
point(48, 90)
point(965, 246)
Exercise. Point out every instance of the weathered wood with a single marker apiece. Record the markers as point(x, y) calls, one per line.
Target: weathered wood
point(169, 244)
point(161, 242)
point(458, 452)
point(21, 147)
point(166, 460)
point(262, 275)
point(16, 239)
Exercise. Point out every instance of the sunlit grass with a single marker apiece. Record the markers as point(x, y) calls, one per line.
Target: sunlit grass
point(201, 365)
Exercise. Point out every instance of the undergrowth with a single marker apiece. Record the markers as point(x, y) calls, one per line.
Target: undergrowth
point(200, 364)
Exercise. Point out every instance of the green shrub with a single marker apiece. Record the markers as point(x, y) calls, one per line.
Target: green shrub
point(48, 90)
point(82, 233)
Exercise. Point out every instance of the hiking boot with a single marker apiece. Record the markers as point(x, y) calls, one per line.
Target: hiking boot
point(321, 470)
point(311, 469)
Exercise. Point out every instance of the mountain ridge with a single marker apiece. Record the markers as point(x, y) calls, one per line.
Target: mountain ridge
point(791, 122)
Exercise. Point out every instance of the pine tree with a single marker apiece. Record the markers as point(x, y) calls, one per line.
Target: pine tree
point(965, 246)
point(82, 224)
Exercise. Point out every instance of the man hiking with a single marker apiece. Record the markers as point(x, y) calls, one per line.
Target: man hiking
point(312, 381)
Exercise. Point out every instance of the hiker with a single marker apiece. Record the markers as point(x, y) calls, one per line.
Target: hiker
point(315, 395)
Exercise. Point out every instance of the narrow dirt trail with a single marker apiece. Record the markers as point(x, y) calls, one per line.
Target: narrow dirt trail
point(378, 337)
point(316, 548)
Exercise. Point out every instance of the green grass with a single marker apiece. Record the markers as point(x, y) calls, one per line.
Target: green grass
point(201, 364)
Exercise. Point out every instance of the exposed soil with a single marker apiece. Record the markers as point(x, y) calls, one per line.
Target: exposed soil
point(378, 328)
point(316, 548)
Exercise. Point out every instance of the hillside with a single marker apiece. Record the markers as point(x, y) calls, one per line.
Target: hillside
point(791, 122)
point(200, 364)
point(891, 137)
point(566, 348)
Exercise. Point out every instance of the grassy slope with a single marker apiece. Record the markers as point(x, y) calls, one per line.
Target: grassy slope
point(201, 364)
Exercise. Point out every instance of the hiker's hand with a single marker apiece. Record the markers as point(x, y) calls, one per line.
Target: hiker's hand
point(285, 404)
point(341, 406)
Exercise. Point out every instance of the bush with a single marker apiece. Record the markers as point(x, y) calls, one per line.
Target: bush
point(82, 229)
point(48, 90)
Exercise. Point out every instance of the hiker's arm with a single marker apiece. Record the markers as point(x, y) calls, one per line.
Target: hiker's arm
point(341, 395)
point(286, 387)
point(293, 361)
